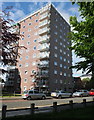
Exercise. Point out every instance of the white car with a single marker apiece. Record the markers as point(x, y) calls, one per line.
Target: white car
point(81, 93)
point(33, 94)
point(60, 94)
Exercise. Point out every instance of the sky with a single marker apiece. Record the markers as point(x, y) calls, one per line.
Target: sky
point(23, 9)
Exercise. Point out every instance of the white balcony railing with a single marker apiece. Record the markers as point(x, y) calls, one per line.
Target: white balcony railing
point(44, 47)
point(44, 9)
point(44, 16)
point(44, 23)
point(44, 39)
point(44, 30)
point(43, 55)
point(43, 64)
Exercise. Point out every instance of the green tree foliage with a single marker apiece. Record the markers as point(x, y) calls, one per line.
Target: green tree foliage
point(9, 40)
point(82, 37)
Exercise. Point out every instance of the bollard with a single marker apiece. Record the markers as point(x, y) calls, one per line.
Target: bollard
point(71, 104)
point(54, 106)
point(32, 108)
point(84, 102)
point(4, 108)
point(93, 100)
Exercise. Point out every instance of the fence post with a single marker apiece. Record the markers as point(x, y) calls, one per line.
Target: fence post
point(32, 109)
point(71, 104)
point(4, 108)
point(84, 102)
point(54, 106)
point(93, 100)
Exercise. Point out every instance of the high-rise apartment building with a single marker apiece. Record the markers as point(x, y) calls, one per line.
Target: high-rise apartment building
point(45, 63)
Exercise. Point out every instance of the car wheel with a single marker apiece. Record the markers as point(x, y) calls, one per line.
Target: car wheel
point(29, 98)
point(59, 96)
point(43, 97)
point(81, 95)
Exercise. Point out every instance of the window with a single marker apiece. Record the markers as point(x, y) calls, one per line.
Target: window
point(55, 40)
point(55, 33)
point(55, 72)
point(29, 24)
point(20, 65)
point(26, 57)
point(28, 36)
point(26, 64)
point(64, 46)
point(22, 32)
point(30, 17)
point(25, 80)
point(55, 47)
point(56, 26)
point(65, 74)
point(29, 29)
point(60, 36)
point(28, 42)
point(24, 21)
point(20, 58)
point(65, 67)
point(25, 88)
point(60, 73)
point(34, 63)
point(55, 55)
point(60, 51)
point(35, 40)
point(22, 38)
point(34, 47)
point(64, 59)
point(60, 65)
point(34, 55)
point(60, 43)
point(61, 82)
point(23, 26)
point(60, 57)
point(55, 63)
point(27, 50)
point(25, 72)
point(56, 81)
point(64, 53)
point(36, 20)
point(68, 61)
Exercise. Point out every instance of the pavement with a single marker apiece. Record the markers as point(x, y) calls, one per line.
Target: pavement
point(11, 98)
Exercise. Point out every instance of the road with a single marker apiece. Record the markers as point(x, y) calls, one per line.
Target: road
point(20, 103)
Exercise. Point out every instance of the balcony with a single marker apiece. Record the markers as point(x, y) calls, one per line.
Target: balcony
point(9, 83)
point(44, 39)
point(44, 23)
point(42, 75)
point(44, 31)
point(43, 64)
point(44, 9)
point(44, 55)
point(44, 16)
point(44, 47)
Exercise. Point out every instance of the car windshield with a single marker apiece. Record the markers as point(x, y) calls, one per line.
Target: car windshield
point(79, 91)
point(25, 92)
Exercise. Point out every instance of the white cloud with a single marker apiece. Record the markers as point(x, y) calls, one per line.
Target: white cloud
point(65, 14)
point(17, 14)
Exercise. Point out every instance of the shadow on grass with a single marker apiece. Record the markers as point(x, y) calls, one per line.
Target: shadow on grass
point(75, 114)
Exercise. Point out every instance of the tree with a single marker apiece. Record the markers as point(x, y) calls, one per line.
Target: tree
point(9, 39)
point(82, 38)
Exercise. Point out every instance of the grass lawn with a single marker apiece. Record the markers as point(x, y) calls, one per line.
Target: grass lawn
point(76, 114)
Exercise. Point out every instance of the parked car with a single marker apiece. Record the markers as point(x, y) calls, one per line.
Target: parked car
point(91, 92)
point(81, 93)
point(33, 94)
point(60, 94)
